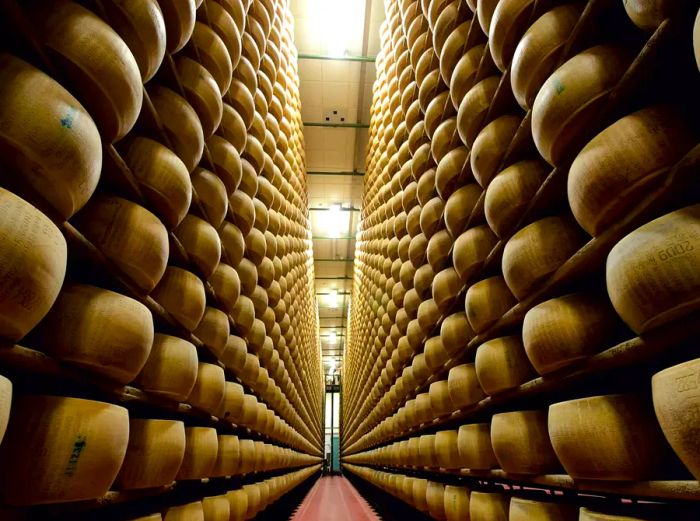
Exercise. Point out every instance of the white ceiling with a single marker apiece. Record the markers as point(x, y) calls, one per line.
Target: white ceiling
point(335, 89)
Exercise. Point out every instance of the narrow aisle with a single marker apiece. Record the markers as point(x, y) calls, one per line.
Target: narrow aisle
point(333, 497)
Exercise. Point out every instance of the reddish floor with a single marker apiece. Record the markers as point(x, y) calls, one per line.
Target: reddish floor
point(334, 498)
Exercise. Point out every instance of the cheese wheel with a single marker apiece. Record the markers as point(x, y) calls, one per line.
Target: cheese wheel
point(214, 330)
point(484, 12)
point(171, 368)
point(133, 238)
point(432, 217)
point(464, 74)
point(233, 243)
point(521, 442)
point(529, 510)
point(511, 192)
point(227, 457)
point(100, 330)
point(208, 48)
point(455, 333)
point(76, 447)
point(471, 250)
point(243, 314)
point(453, 49)
point(649, 14)
point(696, 39)
point(435, 354)
point(485, 506)
point(180, 124)
point(440, 398)
point(460, 207)
point(445, 288)
point(486, 301)
point(201, 448)
point(539, 50)
point(613, 437)
point(33, 256)
point(571, 99)
point(202, 92)
point(565, 329)
point(425, 414)
point(179, 16)
point(225, 162)
point(232, 405)
point(238, 504)
point(190, 511)
point(163, 178)
point(537, 251)
point(490, 147)
point(208, 391)
point(5, 404)
point(154, 454)
point(452, 171)
point(502, 364)
point(509, 22)
point(428, 315)
point(248, 275)
point(216, 508)
point(233, 128)
point(59, 154)
point(142, 27)
point(439, 247)
point(435, 498)
point(446, 449)
point(223, 23)
point(456, 503)
point(474, 444)
point(637, 151)
point(463, 386)
point(473, 109)
point(419, 494)
point(97, 64)
point(589, 515)
point(212, 195)
point(242, 211)
point(651, 273)
point(675, 395)
point(182, 295)
point(201, 242)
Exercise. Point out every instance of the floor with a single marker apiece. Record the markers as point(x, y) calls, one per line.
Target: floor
point(333, 497)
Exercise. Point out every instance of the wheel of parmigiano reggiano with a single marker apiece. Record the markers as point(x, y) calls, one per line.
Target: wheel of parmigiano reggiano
point(142, 27)
point(47, 136)
point(521, 443)
point(201, 242)
point(226, 162)
point(129, 235)
point(460, 207)
point(529, 510)
point(254, 503)
point(565, 329)
point(242, 101)
point(637, 151)
point(652, 274)
point(75, 447)
point(484, 12)
point(98, 65)
point(435, 497)
point(475, 450)
point(509, 22)
point(224, 24)
point(201, 448)
point(182, 295)
point(446, 449)
point(238, 503)
point(33, 257)
point(445, 288)
point(248, 275)
point(180, 124)
point(484, 506)
point(5, 403)
point(228, 456)
point(171, 368)
point(233, 243)
point(502, 364)
point(103, 331)
point(471, 249)
point(675, 396)
point(190, 511)
point(537, 251)
point(538, 51)
point(202, 92)
point(452, 171)
point(490, 146)
point(163, 177)
point(233, 128)
point(473, 108)
point(455, 333)
point(419, 494)
point(464, 74)
point(209, 49)
point(179, 16)
point(232, 404)
point(214, 330)
point(510, 193)
point(456, 503)
point(242, 211)
point(648, 14)
point(243, 314)
point(453, 50)
point(589, 515)
point(486, 301)
point(613, 437)
point(208, 391)
point(154, 454)
point(216, 508)
point(572, 97)
point(440, 401)
point(463, 386)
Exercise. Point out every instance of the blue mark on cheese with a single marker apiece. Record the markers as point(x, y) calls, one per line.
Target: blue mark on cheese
point(69, 118)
